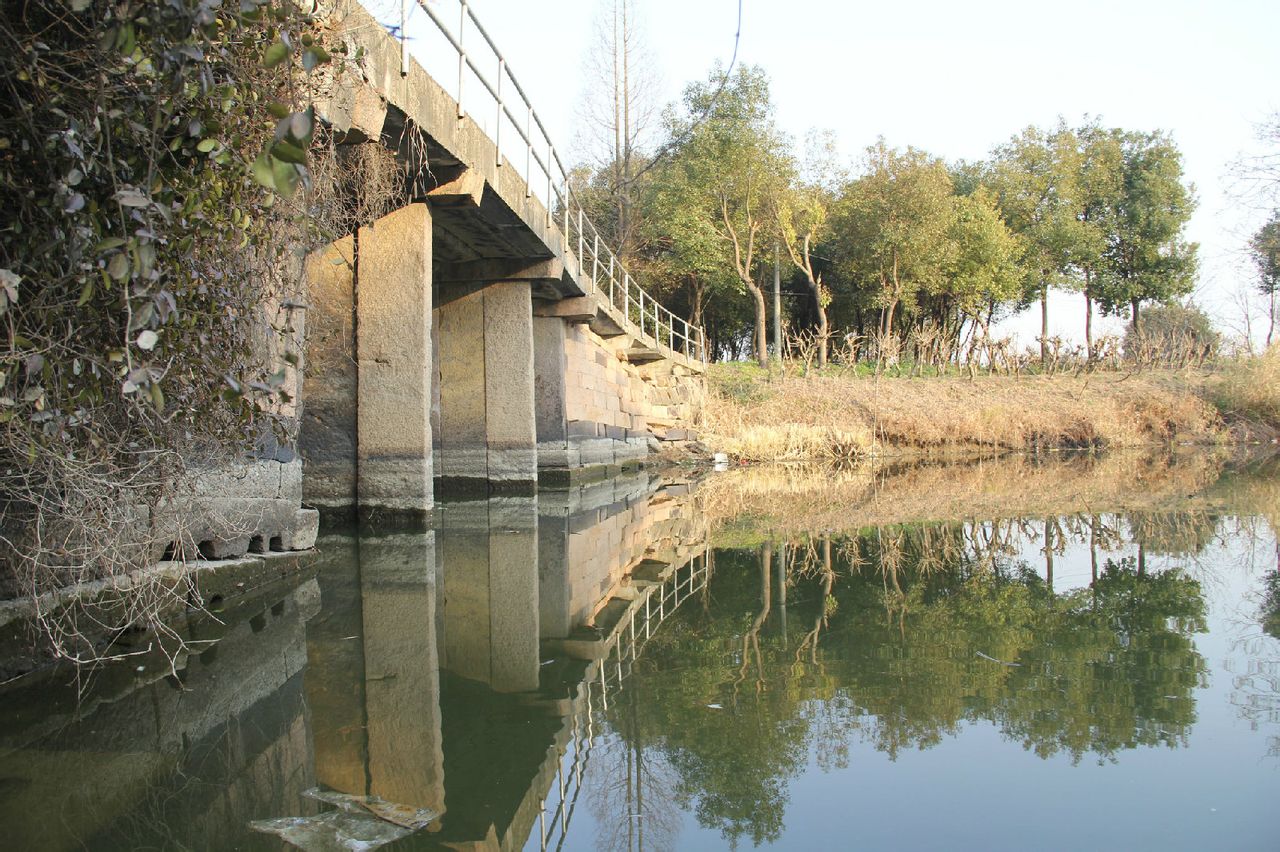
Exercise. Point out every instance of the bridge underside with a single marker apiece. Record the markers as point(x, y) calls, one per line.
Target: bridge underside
point(455, 345)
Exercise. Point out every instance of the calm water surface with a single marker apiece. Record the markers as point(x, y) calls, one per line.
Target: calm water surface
point(626, 667)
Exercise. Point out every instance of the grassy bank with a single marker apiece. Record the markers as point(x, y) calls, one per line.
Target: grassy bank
point(756, 415)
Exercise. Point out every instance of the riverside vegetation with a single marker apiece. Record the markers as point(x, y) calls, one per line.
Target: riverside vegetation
point(841, 413)
point(162, 172)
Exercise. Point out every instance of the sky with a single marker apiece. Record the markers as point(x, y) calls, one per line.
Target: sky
point(955, 79)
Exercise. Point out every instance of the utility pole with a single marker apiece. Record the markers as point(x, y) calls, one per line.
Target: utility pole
point(777, 306)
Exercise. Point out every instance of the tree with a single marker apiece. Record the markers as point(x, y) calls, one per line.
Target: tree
point(1172, 335)
point(1264, 248)
point(986, 264)
point(683, 244)
point(894, 226)
point(735, 165)
point(1147, 257)
point(804, 221)
point(617, 111)
point(1099, 186)
point(1035, 176)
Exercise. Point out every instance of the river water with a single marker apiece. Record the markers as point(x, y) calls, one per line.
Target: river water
point(1025, 654)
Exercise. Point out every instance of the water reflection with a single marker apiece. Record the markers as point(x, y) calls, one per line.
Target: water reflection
point(440, 672)
point(902, 636)
point(623, 666)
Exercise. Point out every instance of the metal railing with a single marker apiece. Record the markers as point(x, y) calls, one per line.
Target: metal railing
point(600, 271)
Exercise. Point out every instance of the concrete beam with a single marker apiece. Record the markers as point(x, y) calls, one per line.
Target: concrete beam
point(393, 360)
point(466, 189)
point(549, 373)
point(469, 276)
point(327, 439)
point(577, 309)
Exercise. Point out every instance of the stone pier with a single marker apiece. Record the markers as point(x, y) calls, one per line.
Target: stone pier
point(485, 438)
point(366, 433)
point(393, 360)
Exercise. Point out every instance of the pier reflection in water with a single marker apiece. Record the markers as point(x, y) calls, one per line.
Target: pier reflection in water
point(631, 666)
point(445, 671)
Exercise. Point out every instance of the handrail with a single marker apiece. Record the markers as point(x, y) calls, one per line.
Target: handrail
point(607, 278)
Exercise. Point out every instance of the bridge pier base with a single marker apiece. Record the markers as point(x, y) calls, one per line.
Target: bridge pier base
point(486, 436)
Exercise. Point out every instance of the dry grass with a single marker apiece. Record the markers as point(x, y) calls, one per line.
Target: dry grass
point(758, 418)
point(1248, 392)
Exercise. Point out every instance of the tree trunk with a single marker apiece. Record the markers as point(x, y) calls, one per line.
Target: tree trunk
point(1271, 327)
point(823, 329)
point(777, 305)
point(888, 317)
point(1088, 315)
point(1133, 306)
point(762, 326)
point(697, 299)
point(1093, 550)
point(1048, 553)
point(1044, 323)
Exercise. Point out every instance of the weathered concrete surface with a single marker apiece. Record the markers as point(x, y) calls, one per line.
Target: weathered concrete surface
point(328, 436)
point(595, 408)
point(491, 249)
point(393, 362)
point(486, 438)
point(592, 538)
point(101, 603)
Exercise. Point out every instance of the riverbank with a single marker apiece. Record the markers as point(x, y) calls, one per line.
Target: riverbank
point(756, 415)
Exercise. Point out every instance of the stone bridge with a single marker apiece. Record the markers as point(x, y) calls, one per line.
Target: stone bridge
point(483, 337)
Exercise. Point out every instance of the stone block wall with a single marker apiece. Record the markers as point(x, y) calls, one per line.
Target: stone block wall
point(605, 409)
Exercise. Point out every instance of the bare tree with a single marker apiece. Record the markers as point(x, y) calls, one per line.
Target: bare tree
point(617, 112)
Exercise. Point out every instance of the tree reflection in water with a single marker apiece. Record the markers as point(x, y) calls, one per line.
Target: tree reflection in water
point(899, 636)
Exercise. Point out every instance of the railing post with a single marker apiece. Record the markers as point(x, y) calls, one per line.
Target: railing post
point(595, 261)
point(551, 152)
point(581, 238)
point(528, 150)
point(497, 127)
point(462, 54)
point(404, 46)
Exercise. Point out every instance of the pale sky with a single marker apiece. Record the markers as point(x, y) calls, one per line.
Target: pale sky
point(952, 78)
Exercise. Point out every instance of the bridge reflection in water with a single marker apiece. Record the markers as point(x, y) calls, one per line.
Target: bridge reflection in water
point(460, 670)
